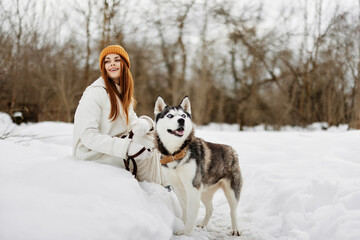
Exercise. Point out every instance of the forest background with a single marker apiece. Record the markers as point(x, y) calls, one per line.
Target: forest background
point(248, 62)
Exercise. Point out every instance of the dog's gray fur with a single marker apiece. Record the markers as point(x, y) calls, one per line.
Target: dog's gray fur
point(205, 168)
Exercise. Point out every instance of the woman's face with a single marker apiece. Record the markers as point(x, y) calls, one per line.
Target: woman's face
point(112, 66)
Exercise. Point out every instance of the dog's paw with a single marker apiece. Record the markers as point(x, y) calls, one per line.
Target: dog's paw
point(185, 231)
point(181, 232)
point(201, 225)
point(236, 233)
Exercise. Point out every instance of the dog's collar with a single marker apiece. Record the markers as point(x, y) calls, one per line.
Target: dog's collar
point(176, 157)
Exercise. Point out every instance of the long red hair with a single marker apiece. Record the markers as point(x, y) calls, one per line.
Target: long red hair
point(126, 90)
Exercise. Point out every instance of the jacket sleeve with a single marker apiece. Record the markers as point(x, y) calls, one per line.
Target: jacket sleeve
point(133, 119)
point(87, 121)
point(150, 121)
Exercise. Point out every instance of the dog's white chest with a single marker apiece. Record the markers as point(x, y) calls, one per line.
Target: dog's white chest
point(182, 174)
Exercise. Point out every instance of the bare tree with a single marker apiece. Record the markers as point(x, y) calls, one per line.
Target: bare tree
point(250, 61)
point(281, 75)
point(176, 68)
point(15, 16)
point(87, 14)
point(113, 14)
point(203, 84)
point(352, 54)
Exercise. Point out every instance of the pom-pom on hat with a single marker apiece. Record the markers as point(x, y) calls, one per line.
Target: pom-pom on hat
point(117, 49)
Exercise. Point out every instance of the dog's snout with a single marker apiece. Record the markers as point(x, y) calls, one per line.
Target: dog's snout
point(181, 121)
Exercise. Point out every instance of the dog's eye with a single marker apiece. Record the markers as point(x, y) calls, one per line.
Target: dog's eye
point(183, 116)
point(170, 116)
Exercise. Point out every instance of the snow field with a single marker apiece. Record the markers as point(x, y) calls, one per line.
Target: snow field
point(297, 185)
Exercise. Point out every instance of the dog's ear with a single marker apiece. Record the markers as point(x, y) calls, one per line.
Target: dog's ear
point(159, 105)
point(185, 104)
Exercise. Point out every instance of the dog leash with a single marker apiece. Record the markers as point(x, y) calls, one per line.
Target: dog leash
point(132, 157)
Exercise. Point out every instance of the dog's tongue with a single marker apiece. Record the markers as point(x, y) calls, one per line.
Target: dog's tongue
point(179, 132)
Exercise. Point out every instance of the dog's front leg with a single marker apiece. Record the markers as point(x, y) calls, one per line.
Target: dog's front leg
point(191, 196)
point(181, 195)
point(193, 203)
point(173, 178)
point(190, 212)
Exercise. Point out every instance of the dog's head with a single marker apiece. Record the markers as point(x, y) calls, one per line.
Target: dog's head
point(173, 123)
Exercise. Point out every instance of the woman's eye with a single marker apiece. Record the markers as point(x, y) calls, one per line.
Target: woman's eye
point(170, 116)
point(117, 60)
point(106, 62)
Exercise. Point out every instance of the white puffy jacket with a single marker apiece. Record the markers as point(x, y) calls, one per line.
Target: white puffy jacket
point(96, 137)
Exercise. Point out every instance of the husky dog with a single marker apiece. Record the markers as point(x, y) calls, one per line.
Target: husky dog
point(195, 168)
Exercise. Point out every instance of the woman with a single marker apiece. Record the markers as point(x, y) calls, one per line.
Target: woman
point(105, 116)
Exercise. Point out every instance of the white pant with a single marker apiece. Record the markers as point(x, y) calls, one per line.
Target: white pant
point(148, 163)
point(150, 169)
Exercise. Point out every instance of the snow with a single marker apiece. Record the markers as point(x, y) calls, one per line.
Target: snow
point(298, 184)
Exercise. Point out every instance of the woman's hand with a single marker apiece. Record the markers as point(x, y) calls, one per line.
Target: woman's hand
point(138, 151)
point(138, 143)
point(141, 127)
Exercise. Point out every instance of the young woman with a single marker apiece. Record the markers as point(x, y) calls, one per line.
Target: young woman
point(105, 117)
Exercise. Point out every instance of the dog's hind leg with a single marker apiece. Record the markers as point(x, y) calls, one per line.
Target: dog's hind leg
point(233, 201)
point(206, 198)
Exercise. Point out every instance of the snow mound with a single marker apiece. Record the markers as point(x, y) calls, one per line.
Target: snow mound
point(47, 194)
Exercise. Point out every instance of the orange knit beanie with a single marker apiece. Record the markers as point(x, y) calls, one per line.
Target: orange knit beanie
point(117, 49)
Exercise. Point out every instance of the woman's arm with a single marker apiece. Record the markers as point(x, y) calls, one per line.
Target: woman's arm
point(87, 123)
point(134, 120)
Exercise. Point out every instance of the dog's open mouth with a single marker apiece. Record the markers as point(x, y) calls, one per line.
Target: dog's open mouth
point(178, 132)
